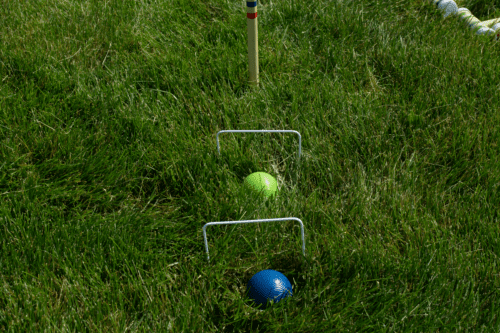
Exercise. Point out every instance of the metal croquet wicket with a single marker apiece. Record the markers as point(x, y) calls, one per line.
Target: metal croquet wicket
point(260, 131)
point(255, 221)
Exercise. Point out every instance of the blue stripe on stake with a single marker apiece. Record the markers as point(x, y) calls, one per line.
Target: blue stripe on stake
point(252, 4)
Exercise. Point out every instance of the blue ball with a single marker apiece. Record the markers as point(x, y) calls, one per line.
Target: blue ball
point(268, 285)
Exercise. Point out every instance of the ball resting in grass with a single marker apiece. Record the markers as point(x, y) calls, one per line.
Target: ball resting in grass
point(448, 7)
point(261, 182)
point(268, 285)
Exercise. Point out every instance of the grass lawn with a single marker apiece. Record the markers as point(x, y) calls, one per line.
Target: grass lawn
point(109, 167)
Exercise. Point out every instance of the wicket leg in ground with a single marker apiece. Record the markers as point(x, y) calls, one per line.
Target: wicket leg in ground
point(253, 44)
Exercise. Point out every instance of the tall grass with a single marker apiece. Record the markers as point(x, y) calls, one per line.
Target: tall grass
point(109, 167)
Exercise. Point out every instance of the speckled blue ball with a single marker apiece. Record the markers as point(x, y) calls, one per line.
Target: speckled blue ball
point(268, 284)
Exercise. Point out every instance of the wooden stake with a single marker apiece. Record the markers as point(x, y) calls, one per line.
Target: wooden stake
point(253, 45)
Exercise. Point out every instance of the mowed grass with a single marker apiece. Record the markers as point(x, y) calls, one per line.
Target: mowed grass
point(109, 167)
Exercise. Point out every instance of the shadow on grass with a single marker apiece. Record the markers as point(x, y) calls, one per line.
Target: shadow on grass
point(239, 166)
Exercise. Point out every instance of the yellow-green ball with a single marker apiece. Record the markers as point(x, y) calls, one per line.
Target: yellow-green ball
point(262, 182)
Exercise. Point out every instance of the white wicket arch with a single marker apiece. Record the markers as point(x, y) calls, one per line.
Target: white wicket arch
point(253, 43)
